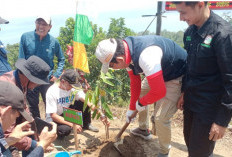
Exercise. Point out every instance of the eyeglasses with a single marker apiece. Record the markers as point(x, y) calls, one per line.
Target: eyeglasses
point(41, 23)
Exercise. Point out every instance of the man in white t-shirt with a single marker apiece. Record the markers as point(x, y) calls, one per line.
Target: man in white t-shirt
point(62, 94)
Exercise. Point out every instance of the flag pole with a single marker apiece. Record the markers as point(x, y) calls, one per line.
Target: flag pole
point(74, 125)
point(76, 5)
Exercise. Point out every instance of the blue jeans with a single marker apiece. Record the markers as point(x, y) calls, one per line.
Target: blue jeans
point(27, 152)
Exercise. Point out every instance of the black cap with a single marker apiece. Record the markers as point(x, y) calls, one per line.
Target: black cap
point(11, 95)
point(71, 76)
point(35, 69)
point(3, 21)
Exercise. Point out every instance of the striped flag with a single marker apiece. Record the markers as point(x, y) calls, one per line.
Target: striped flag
point(83, 34)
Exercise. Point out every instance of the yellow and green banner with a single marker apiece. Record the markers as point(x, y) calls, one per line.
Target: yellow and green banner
point(83, 34)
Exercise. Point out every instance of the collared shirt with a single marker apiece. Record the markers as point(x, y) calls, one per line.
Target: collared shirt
point(208, 83)
point(4, 65)
point(46, 49)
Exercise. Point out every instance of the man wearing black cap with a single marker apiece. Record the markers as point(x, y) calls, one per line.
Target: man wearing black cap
point(40, 43)
point(4, 65)
point(12, 106)
point(63, 94)
point(29, 74)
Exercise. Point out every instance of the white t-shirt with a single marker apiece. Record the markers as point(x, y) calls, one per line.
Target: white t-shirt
point(57, 98)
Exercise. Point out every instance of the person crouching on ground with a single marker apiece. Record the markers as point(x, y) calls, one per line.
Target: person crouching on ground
point(59, 95)
point(11, 107)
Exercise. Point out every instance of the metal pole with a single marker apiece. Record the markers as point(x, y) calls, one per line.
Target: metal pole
point(159, 19)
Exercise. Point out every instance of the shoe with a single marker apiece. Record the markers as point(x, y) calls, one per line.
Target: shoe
point(162, 155)
point(91, 128)
point(145, 134)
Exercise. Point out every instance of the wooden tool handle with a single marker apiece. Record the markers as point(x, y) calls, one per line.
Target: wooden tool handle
point(125, 125)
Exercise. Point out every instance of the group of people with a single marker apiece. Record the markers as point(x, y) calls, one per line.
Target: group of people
point(35, 75)
point(195, 79)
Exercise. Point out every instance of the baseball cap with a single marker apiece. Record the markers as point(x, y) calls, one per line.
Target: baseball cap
point(71, 76)
point(105, 52)
point(3, 21)
point(46, 18)
point(11, 95)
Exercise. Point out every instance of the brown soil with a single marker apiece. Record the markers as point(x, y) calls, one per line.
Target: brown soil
point(95, 144)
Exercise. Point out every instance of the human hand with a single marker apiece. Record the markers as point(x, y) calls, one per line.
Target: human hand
point(20, 131)
point(47, 137)
point(53, 79)
point(140, 108)
point(180, 102)
point(128, 116)
point(216, 132)
point(105, 121)
point(79, 128)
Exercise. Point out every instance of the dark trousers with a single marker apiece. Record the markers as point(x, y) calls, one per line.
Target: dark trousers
point(33, 99)
point(196, 135)
point(64, 130)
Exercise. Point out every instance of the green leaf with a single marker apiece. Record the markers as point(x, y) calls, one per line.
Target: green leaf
point(94, 99)
point(103, 100)
point(108, 113)
point(109, 75)
point(109, 91)
point(94, 114)
point(97, 91)
point(110, 116)
point(108, 82)
point(98, 115)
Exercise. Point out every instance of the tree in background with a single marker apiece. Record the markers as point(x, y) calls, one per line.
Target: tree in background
point(13, 55)
point(116, 29)
point(175, 36)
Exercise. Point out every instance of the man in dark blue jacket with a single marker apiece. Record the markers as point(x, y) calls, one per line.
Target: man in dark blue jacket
point(4, 65)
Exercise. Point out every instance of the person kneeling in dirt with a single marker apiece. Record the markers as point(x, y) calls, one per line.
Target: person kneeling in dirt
point(61, 95)
point(11, 107)
point(162, 62)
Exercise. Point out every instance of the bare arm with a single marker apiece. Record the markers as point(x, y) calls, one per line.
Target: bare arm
point(59, 119)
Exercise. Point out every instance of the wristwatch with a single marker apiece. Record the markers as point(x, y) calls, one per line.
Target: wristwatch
point(6, 145)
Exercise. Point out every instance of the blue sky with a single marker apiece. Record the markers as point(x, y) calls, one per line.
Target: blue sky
point(22, 15)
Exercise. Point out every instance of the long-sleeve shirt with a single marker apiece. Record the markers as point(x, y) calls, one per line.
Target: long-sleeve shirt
point(4, 65)
point(46, 49)
point(208, 83)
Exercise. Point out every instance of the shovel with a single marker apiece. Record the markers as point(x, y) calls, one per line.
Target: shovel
point(118, 139)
